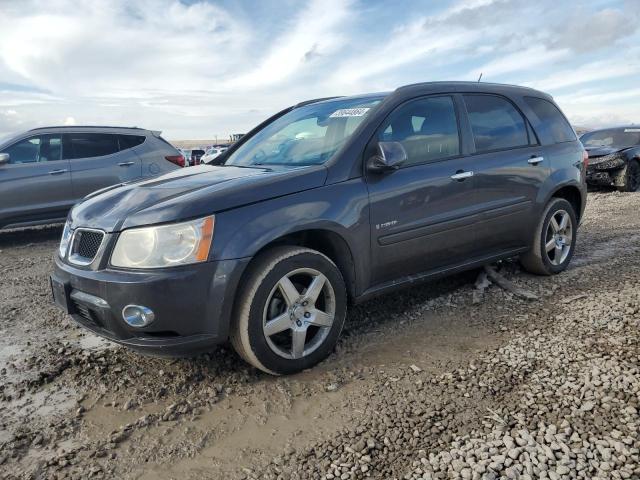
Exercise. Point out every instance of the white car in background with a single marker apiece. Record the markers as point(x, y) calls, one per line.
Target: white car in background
point(212, 153)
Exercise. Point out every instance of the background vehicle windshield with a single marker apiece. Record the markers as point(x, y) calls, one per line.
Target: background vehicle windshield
point(308, 135)
point(613, 137)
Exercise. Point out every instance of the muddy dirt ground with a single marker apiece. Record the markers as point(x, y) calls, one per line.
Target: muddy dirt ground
point(439, 381)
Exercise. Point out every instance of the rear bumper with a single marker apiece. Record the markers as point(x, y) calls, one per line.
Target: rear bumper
point(192, 304)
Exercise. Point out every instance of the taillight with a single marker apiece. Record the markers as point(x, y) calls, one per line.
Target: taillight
point(177, 159)
point(585, 158)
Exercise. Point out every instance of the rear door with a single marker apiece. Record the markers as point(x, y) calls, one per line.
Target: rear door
point(36, 184)
point(421, 217)
point(97, 161)
point(510, 168)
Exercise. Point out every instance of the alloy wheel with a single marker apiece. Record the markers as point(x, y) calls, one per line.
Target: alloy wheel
point(559, 237)
point(299, 313)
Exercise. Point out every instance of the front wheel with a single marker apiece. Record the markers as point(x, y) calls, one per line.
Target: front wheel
point(290, 310)
point(554, 240)
point(631, 177)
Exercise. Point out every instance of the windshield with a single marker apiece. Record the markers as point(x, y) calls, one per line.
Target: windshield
point(613, 137)
point(307, 135)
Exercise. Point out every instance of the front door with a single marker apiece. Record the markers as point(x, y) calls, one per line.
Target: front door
point(36, 184)
point(422, 215)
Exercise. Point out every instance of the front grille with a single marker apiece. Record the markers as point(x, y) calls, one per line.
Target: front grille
point(85, 246)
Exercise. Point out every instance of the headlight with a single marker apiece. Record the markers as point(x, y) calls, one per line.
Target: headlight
point(64, 241)
point(165, 245)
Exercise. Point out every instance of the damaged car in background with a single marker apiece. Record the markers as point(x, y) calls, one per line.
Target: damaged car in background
point(614, 157)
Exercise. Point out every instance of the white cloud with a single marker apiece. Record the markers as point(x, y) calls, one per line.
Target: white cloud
point(590, 72)
point(69, 121)
point(534, 57)
point(315, 32)
point(199, 69)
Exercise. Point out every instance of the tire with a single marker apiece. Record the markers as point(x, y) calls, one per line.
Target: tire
point(552, 246)
point(631, 177)
point(266, 295)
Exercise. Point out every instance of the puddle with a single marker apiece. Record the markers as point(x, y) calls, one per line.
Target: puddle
point(8, 352)
point(93, 342)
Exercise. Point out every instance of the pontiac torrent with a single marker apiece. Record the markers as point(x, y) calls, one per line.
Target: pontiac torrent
point(326, 203)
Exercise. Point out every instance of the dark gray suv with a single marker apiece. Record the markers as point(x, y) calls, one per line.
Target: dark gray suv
point(44, 171)
point(329, 201)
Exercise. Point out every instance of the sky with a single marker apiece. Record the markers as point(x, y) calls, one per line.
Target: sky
point(205, 69)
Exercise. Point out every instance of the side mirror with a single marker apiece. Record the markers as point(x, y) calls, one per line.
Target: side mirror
point(390, 156)
point(4, 158)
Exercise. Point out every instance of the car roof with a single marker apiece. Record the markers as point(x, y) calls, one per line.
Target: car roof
point(95, 128)
point(460, 86)
point(438, 87)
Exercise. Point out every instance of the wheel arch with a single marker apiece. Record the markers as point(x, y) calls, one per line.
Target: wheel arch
point(573, 194)
point(326, 241)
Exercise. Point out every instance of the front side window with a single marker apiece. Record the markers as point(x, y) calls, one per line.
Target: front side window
point(308, 135)
point(88, 145)
point(427, 129)
point(552, 121)
point(495, 123)
point(43, 148)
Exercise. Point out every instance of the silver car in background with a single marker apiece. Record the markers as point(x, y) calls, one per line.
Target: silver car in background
point(212, 153)
point(45, 171)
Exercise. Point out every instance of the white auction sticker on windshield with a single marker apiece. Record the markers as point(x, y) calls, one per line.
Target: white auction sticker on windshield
point(632, 130)
point(349, 112)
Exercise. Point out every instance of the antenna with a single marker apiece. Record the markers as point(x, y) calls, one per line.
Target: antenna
point(480, 77)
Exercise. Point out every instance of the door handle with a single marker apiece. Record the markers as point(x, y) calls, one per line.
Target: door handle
point(461, 175)
point(535, 160)
point(125, 164)
point(58, 172)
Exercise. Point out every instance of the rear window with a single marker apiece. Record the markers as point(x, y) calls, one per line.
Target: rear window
point(130, 141)
point(612, 137)
point(553, 123)
point(88, 145)
point(495, 123)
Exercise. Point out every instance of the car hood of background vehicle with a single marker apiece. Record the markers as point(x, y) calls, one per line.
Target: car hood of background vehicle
point(600, 151)
point(190, 193)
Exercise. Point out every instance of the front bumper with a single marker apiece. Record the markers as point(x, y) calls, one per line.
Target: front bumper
point(192, 304)
point(600, 177)
point(606, 176)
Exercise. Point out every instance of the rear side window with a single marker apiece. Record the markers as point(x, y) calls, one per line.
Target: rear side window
point(88, 145)
point(553, 124)
point(495, 123)
point(427, 129)
point(130, 141)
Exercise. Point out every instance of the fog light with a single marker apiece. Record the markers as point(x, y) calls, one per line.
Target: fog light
point(137, 316)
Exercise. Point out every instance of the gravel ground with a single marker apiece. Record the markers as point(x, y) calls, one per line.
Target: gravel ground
point(440, 381)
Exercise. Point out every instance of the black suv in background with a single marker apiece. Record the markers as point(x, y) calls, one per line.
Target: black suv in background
point(614, 157)
point(329, 201)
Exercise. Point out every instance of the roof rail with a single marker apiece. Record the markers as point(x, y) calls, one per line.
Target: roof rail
point(86, 126)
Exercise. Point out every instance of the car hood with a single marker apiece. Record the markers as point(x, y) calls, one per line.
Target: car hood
point(601, 151)
point(189, 193)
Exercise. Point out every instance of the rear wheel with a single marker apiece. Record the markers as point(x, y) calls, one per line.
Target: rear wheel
point(632, 177)
point(290, 310)
point(554, 240)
